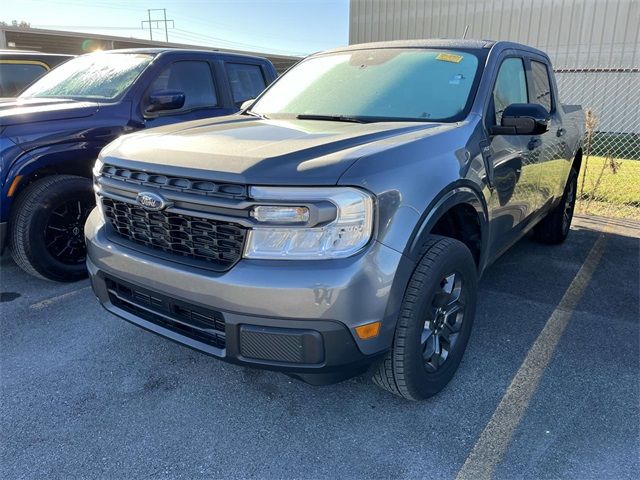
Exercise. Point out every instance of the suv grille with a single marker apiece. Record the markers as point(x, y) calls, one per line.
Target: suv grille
point(177, 184)
point(217, 242)
point(201, 324)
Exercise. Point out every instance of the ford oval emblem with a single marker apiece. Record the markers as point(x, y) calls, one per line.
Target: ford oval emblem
point(151, 201)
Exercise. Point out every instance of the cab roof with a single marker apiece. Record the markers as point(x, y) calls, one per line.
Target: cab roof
point(439, 43)
point(185, 51)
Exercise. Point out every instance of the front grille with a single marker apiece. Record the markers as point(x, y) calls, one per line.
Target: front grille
point(201, 324)
point(176, 184)
point(216, 242)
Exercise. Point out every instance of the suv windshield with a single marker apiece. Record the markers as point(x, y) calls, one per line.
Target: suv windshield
point(399, 84)
point(97, 76)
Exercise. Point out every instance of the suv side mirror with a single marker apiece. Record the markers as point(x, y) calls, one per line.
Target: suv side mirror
point(164, 100)
point(523, 119)
point(247, 103)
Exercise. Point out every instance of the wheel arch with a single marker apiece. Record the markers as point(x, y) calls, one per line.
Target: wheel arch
point(448, 215)
point(75, 158)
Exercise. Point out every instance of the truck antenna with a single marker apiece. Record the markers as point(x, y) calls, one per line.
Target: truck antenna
point(466, 29)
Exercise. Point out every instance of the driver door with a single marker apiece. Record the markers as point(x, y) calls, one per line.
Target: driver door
point(196, 80)
point(515, 195)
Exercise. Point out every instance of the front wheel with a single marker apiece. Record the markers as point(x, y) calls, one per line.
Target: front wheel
point(47, 227)
point(435, 322)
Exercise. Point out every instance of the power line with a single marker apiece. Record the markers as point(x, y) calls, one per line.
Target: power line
point(202, 37)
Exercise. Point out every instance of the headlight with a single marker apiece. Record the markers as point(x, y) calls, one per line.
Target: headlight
point(97, 167)
point(344, 234)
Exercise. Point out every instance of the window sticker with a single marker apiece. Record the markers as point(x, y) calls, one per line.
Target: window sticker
point(449, 57)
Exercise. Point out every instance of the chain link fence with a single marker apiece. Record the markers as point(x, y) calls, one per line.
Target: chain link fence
point(609, 182)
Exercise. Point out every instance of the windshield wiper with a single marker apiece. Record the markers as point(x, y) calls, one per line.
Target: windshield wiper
point(333, 118)
point(254, 114)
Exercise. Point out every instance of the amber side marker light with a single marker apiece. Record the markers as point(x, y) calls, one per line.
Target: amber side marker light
point(14, 185)
point(369, 330)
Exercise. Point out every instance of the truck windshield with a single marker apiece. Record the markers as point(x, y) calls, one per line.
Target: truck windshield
point(97, 76)
point(375, 85)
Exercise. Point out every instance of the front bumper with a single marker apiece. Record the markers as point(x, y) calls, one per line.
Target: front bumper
point(293, 316)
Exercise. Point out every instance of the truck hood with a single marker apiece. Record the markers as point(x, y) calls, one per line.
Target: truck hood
point(15, 111)
point(249, 150)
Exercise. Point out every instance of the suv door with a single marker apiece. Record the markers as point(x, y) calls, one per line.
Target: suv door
point(549, 148)
point(511, 171)
point(196, 80)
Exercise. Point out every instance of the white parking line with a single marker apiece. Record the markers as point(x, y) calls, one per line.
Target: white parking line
point(50, 301)
point(494, 440)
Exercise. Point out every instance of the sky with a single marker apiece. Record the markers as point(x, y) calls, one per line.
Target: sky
point(287, 27)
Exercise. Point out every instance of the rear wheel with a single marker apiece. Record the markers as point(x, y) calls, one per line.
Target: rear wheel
point(554, 228)
point(47, 227)
point(434, 324)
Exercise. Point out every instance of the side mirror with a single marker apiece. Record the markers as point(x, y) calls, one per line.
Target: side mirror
point(164, 100)
point(523, 119)
point(247, 103)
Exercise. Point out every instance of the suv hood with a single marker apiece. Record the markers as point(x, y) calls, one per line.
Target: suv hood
point(252, 151)
point(16, 111)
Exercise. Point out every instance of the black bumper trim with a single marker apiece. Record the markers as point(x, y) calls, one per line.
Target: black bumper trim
point(340, 358)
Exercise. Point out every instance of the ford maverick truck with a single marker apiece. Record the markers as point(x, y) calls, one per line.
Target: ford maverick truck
point(340, 222)
point(51, 134)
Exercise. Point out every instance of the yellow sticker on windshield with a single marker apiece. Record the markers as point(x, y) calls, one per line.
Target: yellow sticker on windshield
point(449, 57)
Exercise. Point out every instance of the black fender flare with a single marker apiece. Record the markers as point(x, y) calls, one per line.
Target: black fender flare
point(460, 193)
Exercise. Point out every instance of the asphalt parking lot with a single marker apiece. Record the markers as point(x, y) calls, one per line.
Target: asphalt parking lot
point(86, 395)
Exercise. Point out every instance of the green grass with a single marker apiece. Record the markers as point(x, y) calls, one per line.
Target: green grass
point(616, 195)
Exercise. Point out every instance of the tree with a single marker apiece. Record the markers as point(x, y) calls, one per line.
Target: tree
point(16, 23)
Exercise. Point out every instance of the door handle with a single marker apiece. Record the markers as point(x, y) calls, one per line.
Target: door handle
point(534, 143)
point(561, 131)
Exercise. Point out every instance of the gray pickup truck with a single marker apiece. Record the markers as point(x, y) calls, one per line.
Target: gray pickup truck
point(340, 222)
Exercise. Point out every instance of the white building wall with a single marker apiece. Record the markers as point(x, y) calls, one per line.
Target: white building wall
point(575, 33)
point(594, 45)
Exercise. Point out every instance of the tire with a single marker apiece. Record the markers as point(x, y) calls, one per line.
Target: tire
point(409, 369)
point(554, 228)
point(47, 227)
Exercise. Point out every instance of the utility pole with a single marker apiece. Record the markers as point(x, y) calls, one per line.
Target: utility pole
point(166, 33)
point(150, 31)
point(157, 22)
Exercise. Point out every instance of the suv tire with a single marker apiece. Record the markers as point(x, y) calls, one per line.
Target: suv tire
point(47, 227)
point(554, 228)
point(435, 322)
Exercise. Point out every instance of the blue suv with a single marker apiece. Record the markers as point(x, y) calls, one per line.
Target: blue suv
point(51, 134)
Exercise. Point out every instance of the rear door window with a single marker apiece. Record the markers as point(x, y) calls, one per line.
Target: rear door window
point(541, 85)
point(511, 86)
point(247, 81)
point(15, 77)
point(194, 79)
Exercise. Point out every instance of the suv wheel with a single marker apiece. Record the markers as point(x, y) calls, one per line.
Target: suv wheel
point(47, 227)
point(434, 324)
point(554, 228)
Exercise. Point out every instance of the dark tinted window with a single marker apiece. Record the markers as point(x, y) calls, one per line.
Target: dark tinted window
point(541, 85)
point(194, 79)
point(246, 81)
point(511, 86)
point(14, 77)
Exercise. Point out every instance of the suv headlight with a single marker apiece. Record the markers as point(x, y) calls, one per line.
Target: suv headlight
point(282, 231)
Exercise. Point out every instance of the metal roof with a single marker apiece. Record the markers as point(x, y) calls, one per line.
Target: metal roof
point(57, 41)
